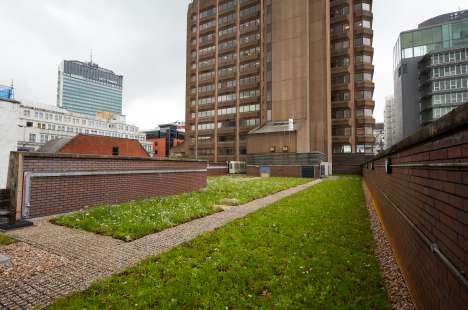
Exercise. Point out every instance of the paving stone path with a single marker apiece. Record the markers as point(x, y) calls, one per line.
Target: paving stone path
point(78, 258)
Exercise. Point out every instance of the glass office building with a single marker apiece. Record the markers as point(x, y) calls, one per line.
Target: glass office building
point(86, 88)
point(429, 72)
point(417, 43)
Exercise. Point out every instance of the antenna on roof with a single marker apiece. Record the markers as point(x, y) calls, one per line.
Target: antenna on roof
point(91, 57)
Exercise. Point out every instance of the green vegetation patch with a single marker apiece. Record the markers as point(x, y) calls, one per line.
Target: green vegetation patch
point(133, 220)
point(312, 250)
point(5, 240)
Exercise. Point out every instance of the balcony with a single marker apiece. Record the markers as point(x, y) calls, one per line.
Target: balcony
point(207, 30)
point(341, 104)
point(338, 87)
point(367, 85)
point(225, 144)
point(341, 139)
point(227, 63)
point(334, 3)
point(364, 67)
point(250, 71)
point(341, 52)
point(207, 56)
point(227, 36)
point(366, 31)
point(365, 103)
point(250, 29)
point(245, 3)
point(207, 81)
point(229, 76)
point(254, 42)
point(250, 86)
point(225, 90)
point(365, 139)
point(364, 49)
point(340, 70)
point(339, 19)
point(206, 43)
point(363, 121)
point(250, 58)
point(339, 35)
point(342, 122)
point(358, 14)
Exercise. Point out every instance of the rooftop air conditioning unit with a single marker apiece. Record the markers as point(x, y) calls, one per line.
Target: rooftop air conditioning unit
point(325, 169)
point(237, 167)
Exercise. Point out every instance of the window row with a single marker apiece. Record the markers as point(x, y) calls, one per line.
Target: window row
point(251, 24)
point(460, 83)
point(206, 126)
point(250, 38)
point(203, 114)
point(229, 30)
point(227, 97)
point(450, 70)
point(365, 148)
point(453, 98)
point(247, 94)
point(211, 23)
point(249, 52)
point(342, 148)
point(454, 56)
point(205, 51)
point(249, 11)
point(249, 66)
point(227, 44)
point(364, 112)
point(78, 121)
point(204, 101)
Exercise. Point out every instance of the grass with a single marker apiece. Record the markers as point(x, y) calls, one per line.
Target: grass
point(5, 240)
point(133, 220)
point(312, 250)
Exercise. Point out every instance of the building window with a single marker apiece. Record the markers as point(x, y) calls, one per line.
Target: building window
point(32, 137)
point(115, 151)
point(29, 124)
point(27, 113)
point(342, 148)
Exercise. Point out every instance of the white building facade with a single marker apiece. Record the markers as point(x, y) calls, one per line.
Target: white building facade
point(389, 122)
point(25, 127)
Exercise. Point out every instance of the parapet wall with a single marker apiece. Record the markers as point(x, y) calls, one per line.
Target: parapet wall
point(420, 191)
point(45, 184)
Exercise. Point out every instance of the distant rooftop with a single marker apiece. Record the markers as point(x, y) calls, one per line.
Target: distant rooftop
point(445, 19)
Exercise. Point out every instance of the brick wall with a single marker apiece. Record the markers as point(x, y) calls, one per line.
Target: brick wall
point(218, 170)
point(281, 171)
point(116, 180)
point(429, 186)
point(349, 164)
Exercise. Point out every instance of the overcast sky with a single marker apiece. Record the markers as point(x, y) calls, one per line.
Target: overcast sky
point(144, 40)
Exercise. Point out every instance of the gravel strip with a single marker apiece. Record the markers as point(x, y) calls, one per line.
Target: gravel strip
point(27, 261)
point(398, 292)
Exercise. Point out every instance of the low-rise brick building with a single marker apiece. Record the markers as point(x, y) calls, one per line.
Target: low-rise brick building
point(95, 145)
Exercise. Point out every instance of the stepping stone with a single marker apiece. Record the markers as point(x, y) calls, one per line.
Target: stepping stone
point(4, 260)
point(230, 201)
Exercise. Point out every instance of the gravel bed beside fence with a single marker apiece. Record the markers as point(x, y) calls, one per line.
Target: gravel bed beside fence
point(394, 282)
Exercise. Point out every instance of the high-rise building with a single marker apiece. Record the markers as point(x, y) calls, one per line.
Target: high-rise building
point(86, 88)
point(379, 134)
point(279, 77)
point(389, 119)
point(430, 71)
